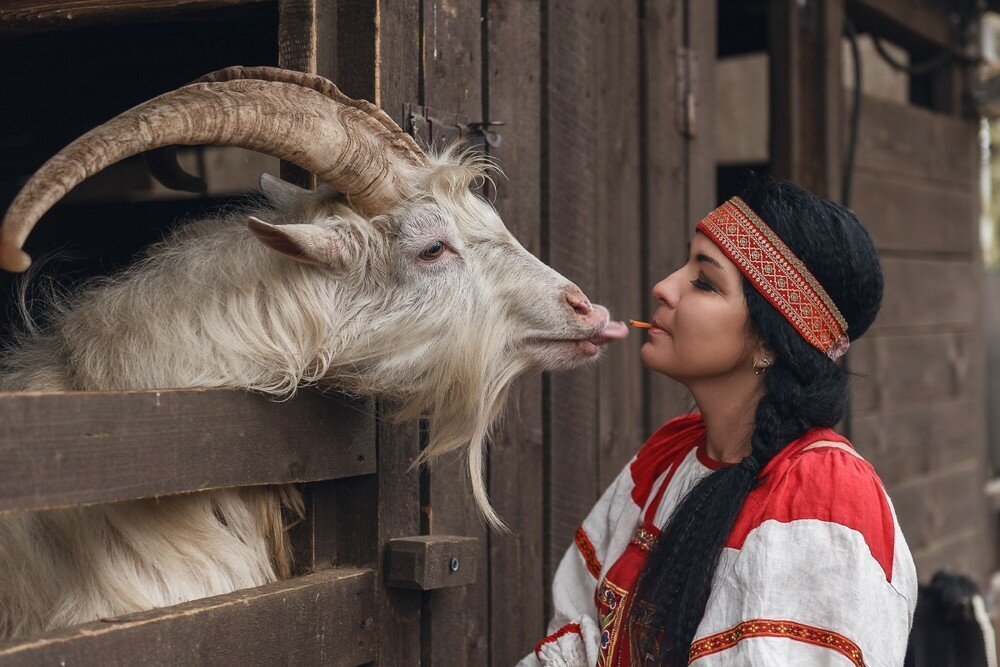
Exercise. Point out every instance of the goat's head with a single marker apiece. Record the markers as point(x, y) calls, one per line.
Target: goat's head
point(443, 308)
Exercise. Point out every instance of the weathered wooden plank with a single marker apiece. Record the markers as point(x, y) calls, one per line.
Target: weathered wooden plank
point(904, 140)
point(922, 292)
point(907, 214)
point(517, 589)
point(323, 618)
point(77, 448)
point(571, 174)
point(806, 90)
point(934, 506)
point(456, 632)
point(702, 37)
point(619, 222)
point(912, 368)
point(966, 552)
point(664, 182)
point(908, 22)
point(24, 16)
point(915, 439)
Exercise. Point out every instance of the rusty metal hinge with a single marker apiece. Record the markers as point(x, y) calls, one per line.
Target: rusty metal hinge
point(686, 66)
point(436, 128)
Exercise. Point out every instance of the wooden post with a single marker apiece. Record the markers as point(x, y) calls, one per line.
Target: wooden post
point(806, 93)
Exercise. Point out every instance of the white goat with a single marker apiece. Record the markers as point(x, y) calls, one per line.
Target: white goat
point(396, 281)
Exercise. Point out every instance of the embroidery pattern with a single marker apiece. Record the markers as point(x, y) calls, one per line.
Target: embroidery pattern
point(770, 628)
point(610, 615)
point(588, 552)
point(644, 538)
point(564, 630)
point(778, 274)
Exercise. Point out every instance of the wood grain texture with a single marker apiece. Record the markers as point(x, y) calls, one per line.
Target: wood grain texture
point(906, 141)
point(517, 587)
point(619, 223)
point(431, 562)
point(25, 16)
point(323, 618)
point(572, 178)
point(922, 292)
point(457, 630)
point(907, 214)
point(666, 194)
point(77, 448)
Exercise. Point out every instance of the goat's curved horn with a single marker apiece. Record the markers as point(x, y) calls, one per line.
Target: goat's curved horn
point(162, 162)
point(343, 145)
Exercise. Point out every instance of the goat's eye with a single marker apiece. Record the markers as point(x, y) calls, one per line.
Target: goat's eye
point(433, 251)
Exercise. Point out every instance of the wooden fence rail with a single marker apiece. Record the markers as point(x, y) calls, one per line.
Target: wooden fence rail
point(57, 448)
point(323, 618)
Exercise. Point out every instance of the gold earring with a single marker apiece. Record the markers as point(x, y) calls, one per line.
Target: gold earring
point(757, 371)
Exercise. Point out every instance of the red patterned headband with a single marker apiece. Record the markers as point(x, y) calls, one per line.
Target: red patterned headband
point(777, 274)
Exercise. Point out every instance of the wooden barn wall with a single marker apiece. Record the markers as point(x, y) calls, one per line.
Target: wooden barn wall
point(603, 169)
point(918, 414)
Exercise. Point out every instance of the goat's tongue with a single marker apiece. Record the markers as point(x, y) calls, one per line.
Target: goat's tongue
point(611, 331)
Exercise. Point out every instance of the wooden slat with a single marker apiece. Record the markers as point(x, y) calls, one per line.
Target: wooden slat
point(912, 368)
point(931, 507)
point(914, 439)
point(928, 292)
point(907, 214)
point(665, 183)
point(456, 632)
point(323, 618)
point(702, 37)
point(910, 23)
point(902, 140)
point(77, 448)
point(570, 212)
point(806, 90)
point(513, 64)
point(963, 551)
point(619, 223)
point(23, 16)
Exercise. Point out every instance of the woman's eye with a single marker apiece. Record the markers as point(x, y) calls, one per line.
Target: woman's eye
point(433, 251)
point(702, 285)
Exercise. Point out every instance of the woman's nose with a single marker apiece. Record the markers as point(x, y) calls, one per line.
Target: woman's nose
point(665, 293)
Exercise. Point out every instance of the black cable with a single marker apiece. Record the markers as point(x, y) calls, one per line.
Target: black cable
point(932, 64)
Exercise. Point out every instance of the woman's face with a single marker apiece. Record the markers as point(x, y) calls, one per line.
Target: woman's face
point(701, 326)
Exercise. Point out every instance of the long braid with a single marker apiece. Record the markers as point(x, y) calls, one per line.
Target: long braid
point(803, 389)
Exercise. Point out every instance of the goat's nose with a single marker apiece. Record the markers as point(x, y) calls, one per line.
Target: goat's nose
point(578, 301)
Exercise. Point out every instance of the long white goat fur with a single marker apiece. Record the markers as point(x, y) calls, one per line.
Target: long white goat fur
point(212, 307)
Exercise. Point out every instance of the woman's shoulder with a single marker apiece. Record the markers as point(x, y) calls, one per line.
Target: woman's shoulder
point(665, 448)
point(831, 486)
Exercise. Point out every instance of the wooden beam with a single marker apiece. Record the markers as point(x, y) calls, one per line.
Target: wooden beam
point(25, 16)
point(806, 92)
point(911, 24)
point(78, 448)
point(323, 618)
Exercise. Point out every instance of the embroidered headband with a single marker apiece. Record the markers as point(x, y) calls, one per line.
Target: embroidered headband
point(778, 274)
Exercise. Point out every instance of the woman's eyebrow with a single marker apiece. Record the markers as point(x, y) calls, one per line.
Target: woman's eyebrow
point(705, 258)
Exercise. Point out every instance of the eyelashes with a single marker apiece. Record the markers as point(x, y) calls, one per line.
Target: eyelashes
point(702, 285)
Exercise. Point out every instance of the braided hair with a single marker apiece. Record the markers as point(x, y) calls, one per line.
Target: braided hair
point(804, 389)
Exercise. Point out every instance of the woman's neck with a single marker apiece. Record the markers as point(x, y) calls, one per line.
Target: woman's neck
point(729, 413)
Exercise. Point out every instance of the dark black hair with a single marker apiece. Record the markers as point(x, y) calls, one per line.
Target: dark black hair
point(804, 389)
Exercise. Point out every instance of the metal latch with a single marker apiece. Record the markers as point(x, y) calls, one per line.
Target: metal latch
point(436, 128)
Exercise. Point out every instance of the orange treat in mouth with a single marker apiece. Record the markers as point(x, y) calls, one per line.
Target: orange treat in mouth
point(641, 325)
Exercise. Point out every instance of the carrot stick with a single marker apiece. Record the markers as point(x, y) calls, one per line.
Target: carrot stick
point(641, 325)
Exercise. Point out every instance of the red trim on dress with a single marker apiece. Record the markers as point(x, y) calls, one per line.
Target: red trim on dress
point(758, 627)
point(669, 445)
point(708, 461)
point(564, 630)
point(588, 552)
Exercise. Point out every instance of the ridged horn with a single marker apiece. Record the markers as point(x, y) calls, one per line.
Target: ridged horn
point(344, 144)
point(162, 162)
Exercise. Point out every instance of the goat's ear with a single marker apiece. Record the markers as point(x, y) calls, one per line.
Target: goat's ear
point(282, 193)
point(311, 244)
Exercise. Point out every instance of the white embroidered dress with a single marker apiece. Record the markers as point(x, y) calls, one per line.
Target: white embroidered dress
point(815, 571)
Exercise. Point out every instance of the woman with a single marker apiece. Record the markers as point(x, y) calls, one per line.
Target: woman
point(748, 532)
